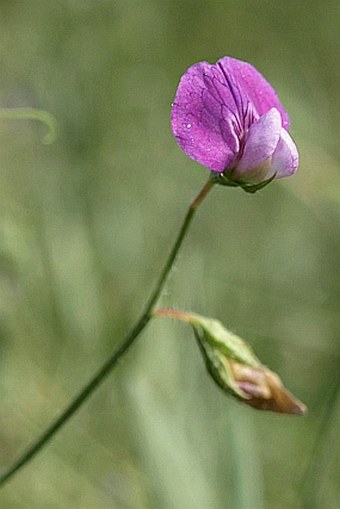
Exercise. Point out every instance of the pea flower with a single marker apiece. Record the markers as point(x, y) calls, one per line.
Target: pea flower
point(227, 117)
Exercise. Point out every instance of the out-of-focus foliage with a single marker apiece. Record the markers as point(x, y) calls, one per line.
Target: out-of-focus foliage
point(86, 223)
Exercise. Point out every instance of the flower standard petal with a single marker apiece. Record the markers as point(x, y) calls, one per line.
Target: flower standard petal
point(203, 120)
point(254, 85)
point(260, 144)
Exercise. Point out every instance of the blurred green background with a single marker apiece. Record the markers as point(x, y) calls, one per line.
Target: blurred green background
point(87, 222)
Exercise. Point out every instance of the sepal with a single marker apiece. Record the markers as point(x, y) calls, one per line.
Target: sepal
point(225, 179)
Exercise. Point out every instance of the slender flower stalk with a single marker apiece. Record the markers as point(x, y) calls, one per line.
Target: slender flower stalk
point(112, 361)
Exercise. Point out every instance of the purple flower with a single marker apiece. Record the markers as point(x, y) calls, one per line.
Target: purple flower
point(227, 117)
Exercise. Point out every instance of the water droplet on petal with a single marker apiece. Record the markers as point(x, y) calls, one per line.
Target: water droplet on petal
point(188, 126)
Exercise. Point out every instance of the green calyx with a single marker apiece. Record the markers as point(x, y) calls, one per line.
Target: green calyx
point(226, 179)
point(219, 347)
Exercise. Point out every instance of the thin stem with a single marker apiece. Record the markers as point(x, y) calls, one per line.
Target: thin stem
point(174, 313)
point(170, 261)
point(111, 362)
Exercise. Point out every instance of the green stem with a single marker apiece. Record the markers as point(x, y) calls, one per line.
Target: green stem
point(111, 362)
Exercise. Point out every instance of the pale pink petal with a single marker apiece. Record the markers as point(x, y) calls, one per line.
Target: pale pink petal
point(260, 144)
point(285, 160)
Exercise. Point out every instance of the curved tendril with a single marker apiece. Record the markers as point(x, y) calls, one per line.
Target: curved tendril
point(33, 114)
